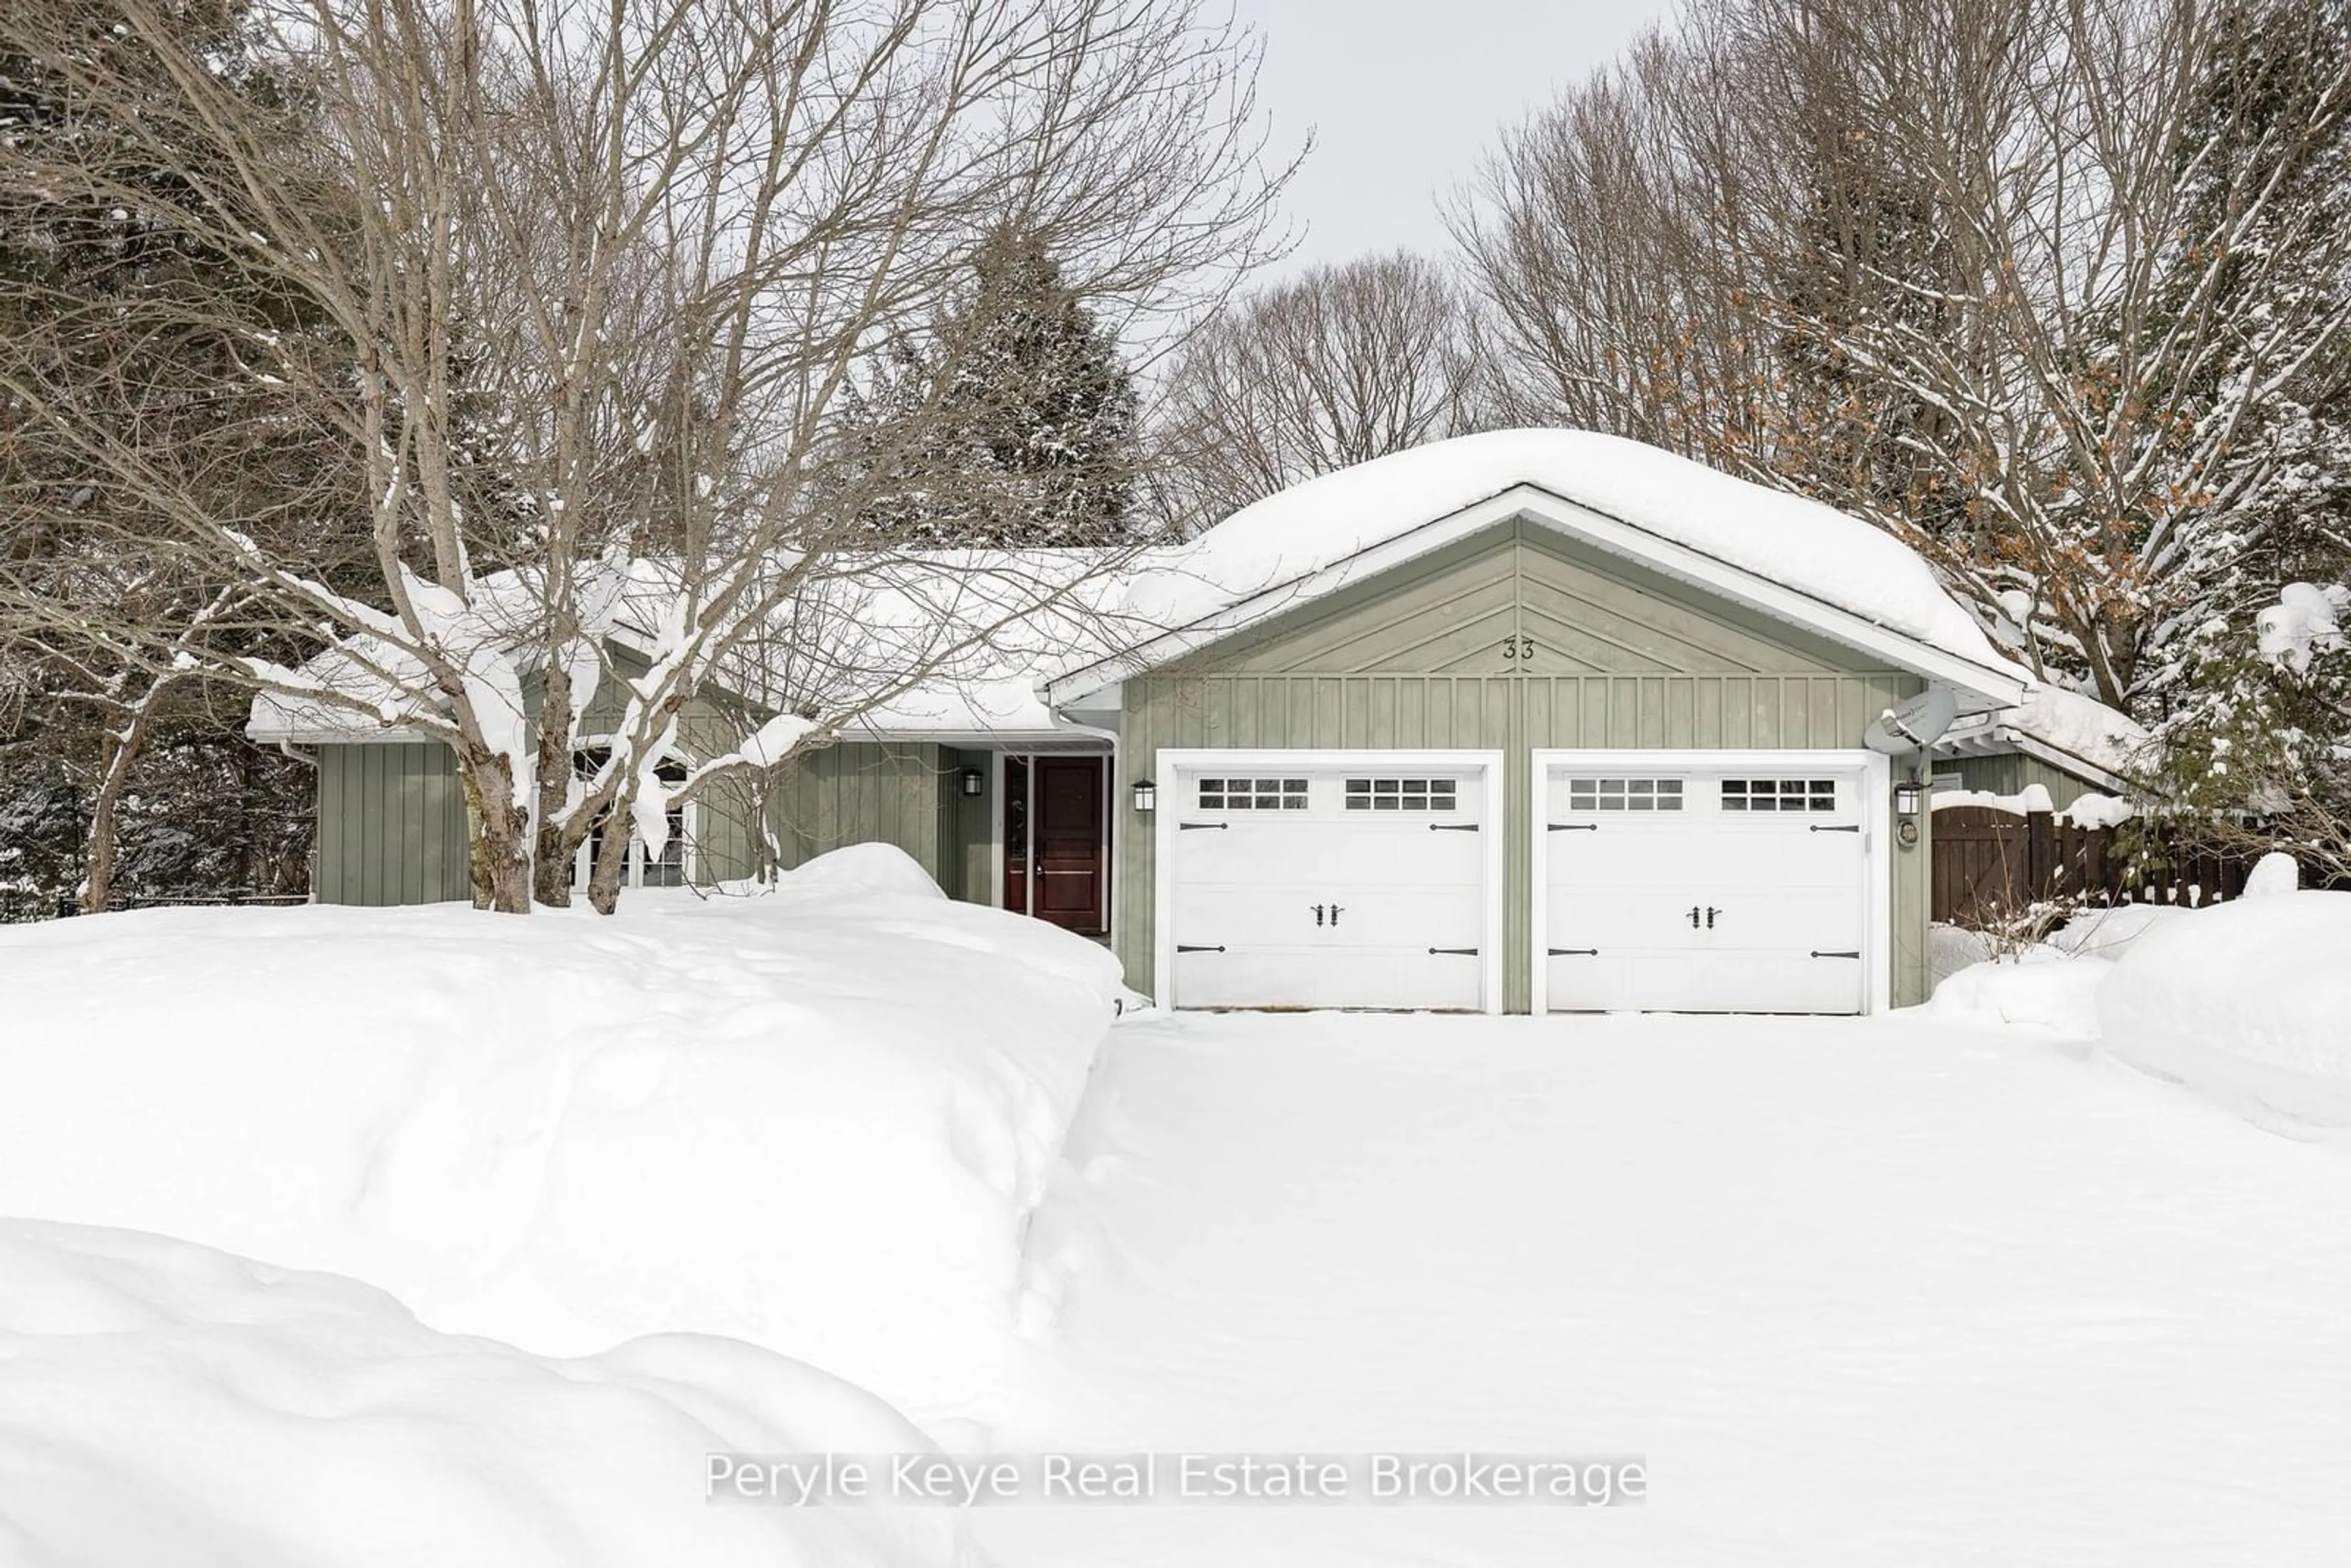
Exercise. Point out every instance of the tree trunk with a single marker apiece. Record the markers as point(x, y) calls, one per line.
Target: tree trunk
point(118, 753)
point(105, 822)
point(612, 857)
point(501, 848)
point(558, 844)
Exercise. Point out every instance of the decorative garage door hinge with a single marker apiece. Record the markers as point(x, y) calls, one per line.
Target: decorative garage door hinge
point(1574, 827)
point(1575, 951)
point(1817, 953)
point(1452, 827)
point(1464, 952)
point(1186, 948)
point(1840, 828)
point(1187, 827)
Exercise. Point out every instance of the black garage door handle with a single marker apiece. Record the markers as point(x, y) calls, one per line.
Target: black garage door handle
point(1575, 951)
point(1841, 828)
point(1182, 947)
point(1187, 827)
point(1464, 952)
point(1452, 827)
point(1817, 953)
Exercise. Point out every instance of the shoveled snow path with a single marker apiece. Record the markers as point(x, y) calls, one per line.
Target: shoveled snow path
point(1862, 1292)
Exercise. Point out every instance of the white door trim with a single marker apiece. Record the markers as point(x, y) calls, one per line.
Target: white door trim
point(996, 845)
point(1168, 765)
point(1873, 769)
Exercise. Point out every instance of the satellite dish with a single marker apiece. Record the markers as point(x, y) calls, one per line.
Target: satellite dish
point(1914, 724)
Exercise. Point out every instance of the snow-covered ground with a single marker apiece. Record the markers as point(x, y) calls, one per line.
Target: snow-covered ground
point(815, 1121)
point(2247, 1003)
point(1862, 1291)
point(166, 1406)
point(2016, 1278)
point(2244, 1003)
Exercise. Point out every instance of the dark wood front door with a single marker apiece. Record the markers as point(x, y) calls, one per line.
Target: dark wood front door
point(1056, 805)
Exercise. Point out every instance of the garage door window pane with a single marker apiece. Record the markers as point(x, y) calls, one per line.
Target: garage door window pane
point(1252, 794)
point(1779, 795)
point(1402, 794)
point(1625, 794)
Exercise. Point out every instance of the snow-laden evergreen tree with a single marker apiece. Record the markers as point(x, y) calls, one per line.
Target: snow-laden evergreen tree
point(2265, 164)
point(2253, 692)
point(2258, 754)
point(2125, 386)
point(1012, 422)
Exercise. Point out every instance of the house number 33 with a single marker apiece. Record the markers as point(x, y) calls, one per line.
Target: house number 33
point(1519, 648)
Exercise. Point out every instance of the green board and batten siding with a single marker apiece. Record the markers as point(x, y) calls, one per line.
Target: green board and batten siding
point(966, 867)
point(393, 827)
point(860, 793)
point(1415, 660)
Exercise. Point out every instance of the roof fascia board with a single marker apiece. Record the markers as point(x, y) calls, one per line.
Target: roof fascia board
point(394, 737)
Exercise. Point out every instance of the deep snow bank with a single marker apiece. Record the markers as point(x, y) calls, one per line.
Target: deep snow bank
point(2039, 988)
point(161, 1402)
point(2051, 985)
point(2248, 1003)
point(814, 1120)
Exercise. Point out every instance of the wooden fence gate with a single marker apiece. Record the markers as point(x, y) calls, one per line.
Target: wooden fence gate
point(1991, 866)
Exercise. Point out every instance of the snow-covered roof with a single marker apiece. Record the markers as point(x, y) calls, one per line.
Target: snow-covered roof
point(1794, 559)
point(371, 687)
point(2063, 727)
point(980, 624)
point(1003, 706)
point(1798, 561)
point(2081, 727)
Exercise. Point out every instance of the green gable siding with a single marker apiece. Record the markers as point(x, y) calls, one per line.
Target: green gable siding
point(1450, 612)
point(1622, 659)
point(392, 825)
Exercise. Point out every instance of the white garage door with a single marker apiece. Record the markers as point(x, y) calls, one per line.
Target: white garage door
point(1705, 889)
point(1356, 885)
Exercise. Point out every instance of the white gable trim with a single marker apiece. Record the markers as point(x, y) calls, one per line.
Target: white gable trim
point(2058, 757)
point(1997, 739)
point(1993, 686)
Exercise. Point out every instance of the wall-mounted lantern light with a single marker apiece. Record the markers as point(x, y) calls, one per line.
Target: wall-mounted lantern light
point(1146, 794)
point(1908, 798)
point(974, 781)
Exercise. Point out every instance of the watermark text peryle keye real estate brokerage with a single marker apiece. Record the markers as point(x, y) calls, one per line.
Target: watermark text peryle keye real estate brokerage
point(819, 1479)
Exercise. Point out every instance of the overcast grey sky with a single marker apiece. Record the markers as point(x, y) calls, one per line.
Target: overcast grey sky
point(1406, 97)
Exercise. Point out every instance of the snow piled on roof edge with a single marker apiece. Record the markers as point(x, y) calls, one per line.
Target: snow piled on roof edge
point(1799, 544)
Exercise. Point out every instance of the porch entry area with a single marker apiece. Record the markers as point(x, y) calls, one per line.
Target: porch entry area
point(1054, 830)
